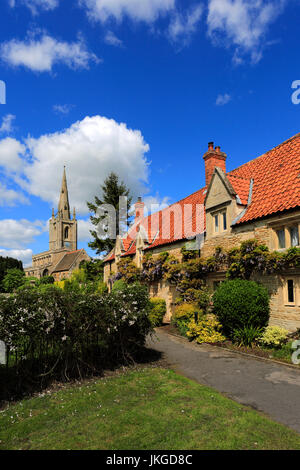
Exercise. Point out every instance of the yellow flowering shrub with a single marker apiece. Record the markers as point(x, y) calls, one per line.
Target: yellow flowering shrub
point(206, 330)
point(185, 312)
point(60, 284)
point(273, 336)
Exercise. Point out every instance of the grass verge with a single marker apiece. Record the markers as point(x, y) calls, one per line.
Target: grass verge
point(151, 408)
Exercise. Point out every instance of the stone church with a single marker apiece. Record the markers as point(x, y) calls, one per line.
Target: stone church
point(63, 256)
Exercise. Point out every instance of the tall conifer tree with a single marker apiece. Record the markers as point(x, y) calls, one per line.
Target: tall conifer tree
point(112, 190)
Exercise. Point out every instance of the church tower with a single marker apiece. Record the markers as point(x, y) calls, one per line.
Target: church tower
point(63, 229)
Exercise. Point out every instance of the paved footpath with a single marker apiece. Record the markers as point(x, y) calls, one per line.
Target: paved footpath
point(269, 387)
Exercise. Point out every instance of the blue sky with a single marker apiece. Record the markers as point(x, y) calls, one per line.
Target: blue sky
point(138, 87)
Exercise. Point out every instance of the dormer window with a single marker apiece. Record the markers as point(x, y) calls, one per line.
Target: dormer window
point(220, 221)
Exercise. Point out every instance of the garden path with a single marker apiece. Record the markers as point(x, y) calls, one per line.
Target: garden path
point(264, 385)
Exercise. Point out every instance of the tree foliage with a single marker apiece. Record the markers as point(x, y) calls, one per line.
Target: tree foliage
point(13, 279)
point(8, 263)
point(94, 269)
point(111, 190)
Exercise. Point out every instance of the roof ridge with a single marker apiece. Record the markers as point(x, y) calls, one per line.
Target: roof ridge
point(265, 153)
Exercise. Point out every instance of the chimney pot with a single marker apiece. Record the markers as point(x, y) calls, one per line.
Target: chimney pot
point(213, 158)
point(139, 208)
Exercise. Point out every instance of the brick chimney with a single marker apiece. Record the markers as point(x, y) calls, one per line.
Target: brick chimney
point(212, 158)
point(139, 209)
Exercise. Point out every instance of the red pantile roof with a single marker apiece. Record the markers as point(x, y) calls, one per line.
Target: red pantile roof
point(276, 185)
point(275, 188)
point(241, 187)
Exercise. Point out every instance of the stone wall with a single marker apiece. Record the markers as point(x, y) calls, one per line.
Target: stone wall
point(163, 290)
point(260, 232)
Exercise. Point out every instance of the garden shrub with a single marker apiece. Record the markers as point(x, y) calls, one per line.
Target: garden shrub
point(247, 335)
point(46, 280)
point(101, 288)
point(65, 334)
point(118, 285)
point(60, 284)
point(240, 303)
point(284, 352)
point(182, 327)
point(273, 336)
point(185, 312)
point(205, 330)
point(13, 279)
point(158, 311)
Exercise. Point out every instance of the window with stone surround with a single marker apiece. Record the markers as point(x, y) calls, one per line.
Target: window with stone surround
point(220, 221)
point(291, 291)
point(281, 238)
point(287, 236)
point(294, 235)
point(216, 219)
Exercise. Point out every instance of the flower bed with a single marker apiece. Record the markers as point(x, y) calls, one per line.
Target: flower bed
point(282, 354)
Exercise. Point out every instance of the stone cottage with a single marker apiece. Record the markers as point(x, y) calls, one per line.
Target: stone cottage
point(258, 200)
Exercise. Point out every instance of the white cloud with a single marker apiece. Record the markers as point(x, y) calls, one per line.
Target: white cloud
point(62, 108)
point(10, 197)
point(112, 40)
point(137, 10)
point(155, 203)
point(35, 5)
point(84, 227)
point(223, 99)
point(90, 149)
point(183, 26)
point(11, 151)
point(40, 52)
point(23, 255)
point(243, 24)
point(14, 234)
point(6, 126)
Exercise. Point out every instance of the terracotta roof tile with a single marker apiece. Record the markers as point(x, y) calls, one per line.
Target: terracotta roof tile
point(276, 184)
point(241, 187)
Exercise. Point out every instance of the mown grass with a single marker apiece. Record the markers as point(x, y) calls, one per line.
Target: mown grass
point(152, 408)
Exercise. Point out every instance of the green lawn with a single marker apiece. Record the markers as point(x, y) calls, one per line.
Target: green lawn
point(152, 408)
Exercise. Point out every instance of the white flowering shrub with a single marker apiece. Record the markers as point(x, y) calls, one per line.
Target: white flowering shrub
point(68, 334)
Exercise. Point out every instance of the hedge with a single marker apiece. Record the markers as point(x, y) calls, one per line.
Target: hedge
point(65, 334)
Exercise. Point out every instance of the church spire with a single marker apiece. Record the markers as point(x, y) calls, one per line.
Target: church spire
point(63, 205)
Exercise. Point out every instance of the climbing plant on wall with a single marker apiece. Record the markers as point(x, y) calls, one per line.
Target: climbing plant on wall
point(188, 276)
